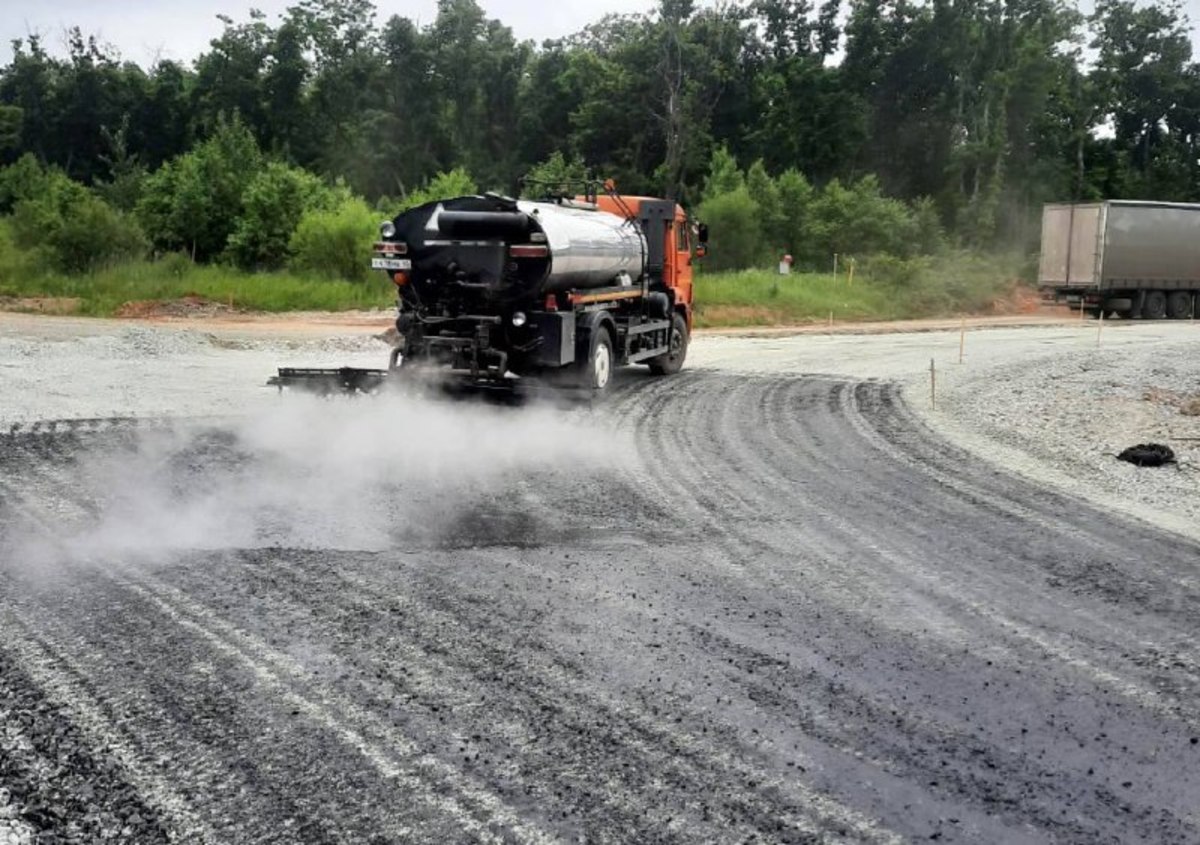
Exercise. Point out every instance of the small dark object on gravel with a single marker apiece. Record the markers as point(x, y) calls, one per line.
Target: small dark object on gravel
point(1148, 455)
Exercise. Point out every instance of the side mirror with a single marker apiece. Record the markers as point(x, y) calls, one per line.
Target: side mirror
point(702, 233)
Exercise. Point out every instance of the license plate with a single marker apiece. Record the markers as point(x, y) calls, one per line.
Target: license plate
point(391, 264)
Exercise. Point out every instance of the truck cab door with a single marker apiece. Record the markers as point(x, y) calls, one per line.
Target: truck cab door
point(679, 250)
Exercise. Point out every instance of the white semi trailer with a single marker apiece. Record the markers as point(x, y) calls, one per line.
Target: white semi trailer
point(1129, 258)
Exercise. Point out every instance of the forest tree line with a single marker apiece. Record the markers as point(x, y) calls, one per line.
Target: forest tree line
point(949, 119)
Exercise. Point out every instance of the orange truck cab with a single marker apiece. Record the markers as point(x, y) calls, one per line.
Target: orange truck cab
point(673, 230)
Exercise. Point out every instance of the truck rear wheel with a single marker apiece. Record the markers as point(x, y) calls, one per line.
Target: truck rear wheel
point(1155, 307)
point(672, 362)
point(1179, 305)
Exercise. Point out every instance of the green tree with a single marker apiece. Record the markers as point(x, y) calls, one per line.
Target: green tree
point(929, 234)
point(10, 130)
point(795, 200)
point(765, 193)
point(126, 175)
point(194, 202)
point(456, 183)
point(724, 175)
point(164, 120)
point(1145, 77)
point(856, 221)
point(736, 232)
point(556, 175)
point(229, 77)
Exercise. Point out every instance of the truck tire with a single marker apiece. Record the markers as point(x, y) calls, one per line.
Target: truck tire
point(595, 373)
point(1156, 305)
point(1179, 305)
point(672, 362)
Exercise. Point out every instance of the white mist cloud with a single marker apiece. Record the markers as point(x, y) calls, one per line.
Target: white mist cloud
point(367, 474)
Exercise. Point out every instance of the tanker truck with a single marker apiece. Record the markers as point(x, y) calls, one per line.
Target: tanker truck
point(492, 290)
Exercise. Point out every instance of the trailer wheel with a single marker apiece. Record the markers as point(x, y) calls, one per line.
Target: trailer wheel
point(1156, 305)
point(1179, 305)
point(596, 372)
point(672, 362)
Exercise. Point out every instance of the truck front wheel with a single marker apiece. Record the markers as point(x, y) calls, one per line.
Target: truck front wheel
point(672, 362)
point(596, 372)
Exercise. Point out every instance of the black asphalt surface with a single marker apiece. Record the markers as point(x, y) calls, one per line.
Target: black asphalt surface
point(799, 616)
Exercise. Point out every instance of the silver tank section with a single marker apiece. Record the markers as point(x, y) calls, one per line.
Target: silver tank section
point(588, 248)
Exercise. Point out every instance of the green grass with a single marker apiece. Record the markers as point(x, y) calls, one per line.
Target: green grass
point(882, 289)
point(760, 297)
point(105, 292)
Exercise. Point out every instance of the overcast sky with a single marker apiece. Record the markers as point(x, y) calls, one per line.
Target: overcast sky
point(181, 29)
point(144, 30)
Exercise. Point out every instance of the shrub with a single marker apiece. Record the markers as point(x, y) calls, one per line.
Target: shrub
point(38, 216)
point(175, 265)
point(900, 273)
point(336, 243)
point(93, 235)
point(22, 180)
point(272, 206)
point(929, 235)
point(735, 231)
point(75, 230)
point(67, 225)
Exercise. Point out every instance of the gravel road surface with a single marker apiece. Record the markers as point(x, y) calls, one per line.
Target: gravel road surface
point(771, 599)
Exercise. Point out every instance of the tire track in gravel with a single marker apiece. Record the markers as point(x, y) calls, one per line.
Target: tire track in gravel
point(803, 617)
point(828, 477)
point(75, 709)
point(936, 511)
point(904, 552)
point(274, 680)
point(551, 681)
point(184, 611)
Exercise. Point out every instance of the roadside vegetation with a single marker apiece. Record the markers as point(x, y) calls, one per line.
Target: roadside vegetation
point(913, 144)
point(884, 289)
point(137, 287)
point(236, 229)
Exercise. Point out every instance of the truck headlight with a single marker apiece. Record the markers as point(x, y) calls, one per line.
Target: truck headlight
point(518, 319)
point(387, 228)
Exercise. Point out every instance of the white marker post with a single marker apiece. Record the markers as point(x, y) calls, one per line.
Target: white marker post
point(932, 386)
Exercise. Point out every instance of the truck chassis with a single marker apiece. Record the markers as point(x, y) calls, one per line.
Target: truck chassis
point(462, 350)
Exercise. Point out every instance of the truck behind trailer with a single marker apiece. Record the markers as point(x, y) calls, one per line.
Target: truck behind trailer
point(1124, 258)
point(492, 290)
